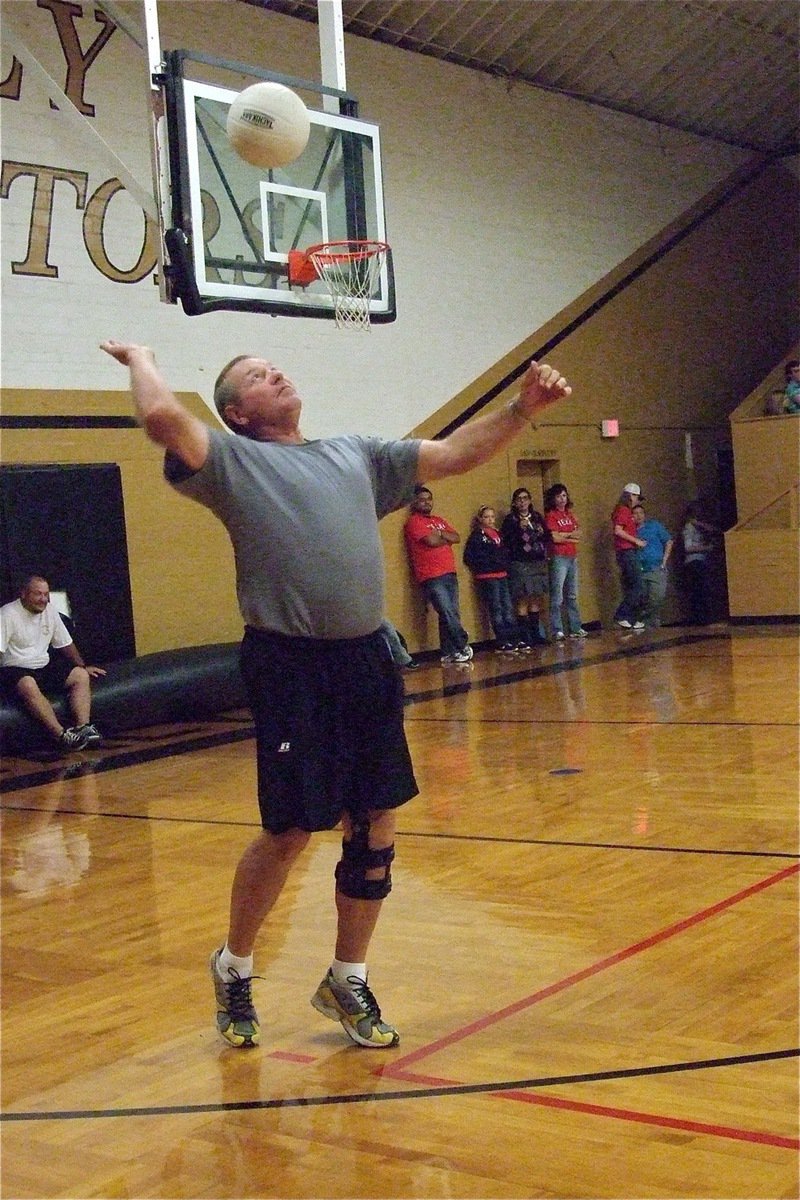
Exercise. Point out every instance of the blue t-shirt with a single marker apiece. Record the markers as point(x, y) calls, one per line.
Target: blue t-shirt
point(656, 537)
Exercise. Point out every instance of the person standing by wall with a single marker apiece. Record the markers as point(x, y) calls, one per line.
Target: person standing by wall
point(524, 531)
point(696, 536)
point(626, 545)
point(429, 541)
point(653, 557)
point(559, 515)
point(487, 558)
point(792, 390)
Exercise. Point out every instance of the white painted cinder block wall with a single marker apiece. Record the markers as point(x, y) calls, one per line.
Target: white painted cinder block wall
point(503, 205)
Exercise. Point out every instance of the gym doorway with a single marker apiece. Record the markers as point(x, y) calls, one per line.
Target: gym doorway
point(537, 475)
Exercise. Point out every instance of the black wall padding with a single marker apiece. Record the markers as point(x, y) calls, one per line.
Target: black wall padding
point(68, 523)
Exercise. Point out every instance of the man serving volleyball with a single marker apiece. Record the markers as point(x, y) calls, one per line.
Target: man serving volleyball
point(326, 698)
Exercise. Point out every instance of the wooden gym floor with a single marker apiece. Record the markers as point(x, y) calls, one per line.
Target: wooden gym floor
point(590, 950)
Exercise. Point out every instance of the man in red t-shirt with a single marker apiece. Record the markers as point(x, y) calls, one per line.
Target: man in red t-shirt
point(430, 540)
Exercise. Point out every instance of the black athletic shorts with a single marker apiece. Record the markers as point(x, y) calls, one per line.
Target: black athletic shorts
point(51, 679)
point(329, 728)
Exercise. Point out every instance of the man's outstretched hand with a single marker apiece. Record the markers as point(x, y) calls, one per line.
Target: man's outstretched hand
point(541, 385)
point(124, 351)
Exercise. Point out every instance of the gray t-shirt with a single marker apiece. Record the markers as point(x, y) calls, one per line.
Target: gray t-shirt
point(303, 521)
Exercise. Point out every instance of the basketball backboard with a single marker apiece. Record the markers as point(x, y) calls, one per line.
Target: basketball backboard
point(229, 226)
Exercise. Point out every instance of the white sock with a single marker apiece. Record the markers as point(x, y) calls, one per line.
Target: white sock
point(342, 971)
point(242, 966)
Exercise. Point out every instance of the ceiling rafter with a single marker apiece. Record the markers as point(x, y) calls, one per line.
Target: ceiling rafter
point(723, 69)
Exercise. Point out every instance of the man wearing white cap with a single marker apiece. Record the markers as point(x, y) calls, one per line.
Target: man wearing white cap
point(626, 547)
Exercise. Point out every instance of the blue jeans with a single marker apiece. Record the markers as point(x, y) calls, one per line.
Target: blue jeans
point(497, 598)
point(442, 595)
point(630, 574)
point(396, 648)
point(564, 590)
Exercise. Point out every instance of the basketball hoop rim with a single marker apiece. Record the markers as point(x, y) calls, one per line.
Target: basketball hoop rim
point(344, 251)
point(349, 268)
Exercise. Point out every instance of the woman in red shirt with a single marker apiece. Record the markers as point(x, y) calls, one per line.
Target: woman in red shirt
point(563, 525)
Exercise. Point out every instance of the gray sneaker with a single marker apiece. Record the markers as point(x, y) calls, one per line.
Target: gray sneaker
point(354, 1005)
point(91, 733)
point(237, 1020)
point(73, 739)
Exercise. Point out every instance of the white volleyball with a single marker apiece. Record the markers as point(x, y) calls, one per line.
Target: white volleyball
point(268, 125)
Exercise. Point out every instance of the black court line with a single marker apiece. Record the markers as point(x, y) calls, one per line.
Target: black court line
point(146, 734)
point(509, 841)
point(132, 758)
point(62, 811)
point(596, 723)
point(424, 1093)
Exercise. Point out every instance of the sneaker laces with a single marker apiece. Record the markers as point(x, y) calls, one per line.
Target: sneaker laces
point(364, 995)
point(239, 995)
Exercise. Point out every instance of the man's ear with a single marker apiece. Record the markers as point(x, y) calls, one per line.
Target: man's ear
point(233, 416)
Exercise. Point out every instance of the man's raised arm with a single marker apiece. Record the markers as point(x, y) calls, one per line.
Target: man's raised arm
point(164, 419)
point(479, 440)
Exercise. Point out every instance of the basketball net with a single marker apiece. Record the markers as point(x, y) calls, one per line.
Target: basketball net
point(350, 272)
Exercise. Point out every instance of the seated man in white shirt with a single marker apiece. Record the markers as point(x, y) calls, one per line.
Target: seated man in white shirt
point(29, 628)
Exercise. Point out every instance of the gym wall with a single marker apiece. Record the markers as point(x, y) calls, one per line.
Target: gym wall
point(670, 355)
point(499, 244)
point(503, 205)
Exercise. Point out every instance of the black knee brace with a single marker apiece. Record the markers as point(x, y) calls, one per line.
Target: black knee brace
point(357, 858)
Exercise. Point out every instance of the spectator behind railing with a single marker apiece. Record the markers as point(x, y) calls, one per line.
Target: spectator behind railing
point(792, 389)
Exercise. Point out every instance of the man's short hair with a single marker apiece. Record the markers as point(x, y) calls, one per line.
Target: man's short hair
point(422, 487)
point(27, 580)
point(224, 391)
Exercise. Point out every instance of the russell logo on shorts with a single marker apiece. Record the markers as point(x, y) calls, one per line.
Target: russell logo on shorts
point(284, 747)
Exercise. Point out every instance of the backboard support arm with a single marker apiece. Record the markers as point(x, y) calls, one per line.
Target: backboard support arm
point(331, 49)
point(159, 157)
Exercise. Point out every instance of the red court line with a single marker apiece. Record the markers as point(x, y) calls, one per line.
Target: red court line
point(626, 1114)
point(289, 1056)
point(578, 976)
point(620, 1114)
